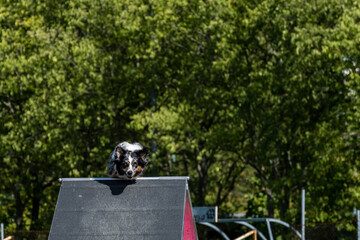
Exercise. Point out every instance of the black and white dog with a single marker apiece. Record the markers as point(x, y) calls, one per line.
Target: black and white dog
point(128, 160)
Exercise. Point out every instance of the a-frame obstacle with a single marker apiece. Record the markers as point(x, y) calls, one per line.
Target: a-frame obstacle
point(113, 209)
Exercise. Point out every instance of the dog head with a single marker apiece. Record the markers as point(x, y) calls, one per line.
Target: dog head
point(130, 159)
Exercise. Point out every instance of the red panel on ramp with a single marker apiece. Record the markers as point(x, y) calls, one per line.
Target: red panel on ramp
point(189, 224)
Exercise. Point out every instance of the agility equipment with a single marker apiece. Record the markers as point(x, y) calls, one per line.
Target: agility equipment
point(114, 209)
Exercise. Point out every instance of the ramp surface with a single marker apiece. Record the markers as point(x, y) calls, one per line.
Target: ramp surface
point(108, 208)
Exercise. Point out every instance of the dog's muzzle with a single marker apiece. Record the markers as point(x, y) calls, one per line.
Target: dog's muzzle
point(129, 173)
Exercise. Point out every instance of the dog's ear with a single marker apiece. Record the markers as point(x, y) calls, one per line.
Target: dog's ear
point(119, 151)
point(143, 154)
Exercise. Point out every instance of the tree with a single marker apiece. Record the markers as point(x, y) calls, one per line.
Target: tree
point(193, 113)
point(299, 101)
point(222, 87)
point(65, 96)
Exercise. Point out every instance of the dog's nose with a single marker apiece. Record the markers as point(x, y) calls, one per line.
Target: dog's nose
point(129, 173)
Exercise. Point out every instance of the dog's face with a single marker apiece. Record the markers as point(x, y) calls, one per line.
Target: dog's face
point(130, 161)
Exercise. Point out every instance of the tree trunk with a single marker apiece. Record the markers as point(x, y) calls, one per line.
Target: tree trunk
point(20, 206)
point(202, 170)
point(270, 203)
point(19, 220)
point(284, 203)
point(284, 206)
point(35, 208)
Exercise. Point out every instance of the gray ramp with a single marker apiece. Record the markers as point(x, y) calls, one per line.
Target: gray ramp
point(114, 209)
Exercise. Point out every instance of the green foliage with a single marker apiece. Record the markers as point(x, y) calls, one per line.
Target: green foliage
point(65, 98)
point(254, 100)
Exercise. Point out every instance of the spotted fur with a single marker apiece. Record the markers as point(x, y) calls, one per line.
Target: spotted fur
point(128, 160)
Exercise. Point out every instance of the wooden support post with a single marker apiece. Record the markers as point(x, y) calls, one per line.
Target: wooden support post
point(252, 232)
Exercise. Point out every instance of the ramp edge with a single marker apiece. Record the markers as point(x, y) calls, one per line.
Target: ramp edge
point(119, 179)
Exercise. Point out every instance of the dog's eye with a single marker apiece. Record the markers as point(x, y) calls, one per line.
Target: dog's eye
point(125, 164)
point(135, 164)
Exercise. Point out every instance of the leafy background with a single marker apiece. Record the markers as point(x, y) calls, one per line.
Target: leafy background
point(254, 100)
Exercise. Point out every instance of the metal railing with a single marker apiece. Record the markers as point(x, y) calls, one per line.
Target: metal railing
point(245, 222)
